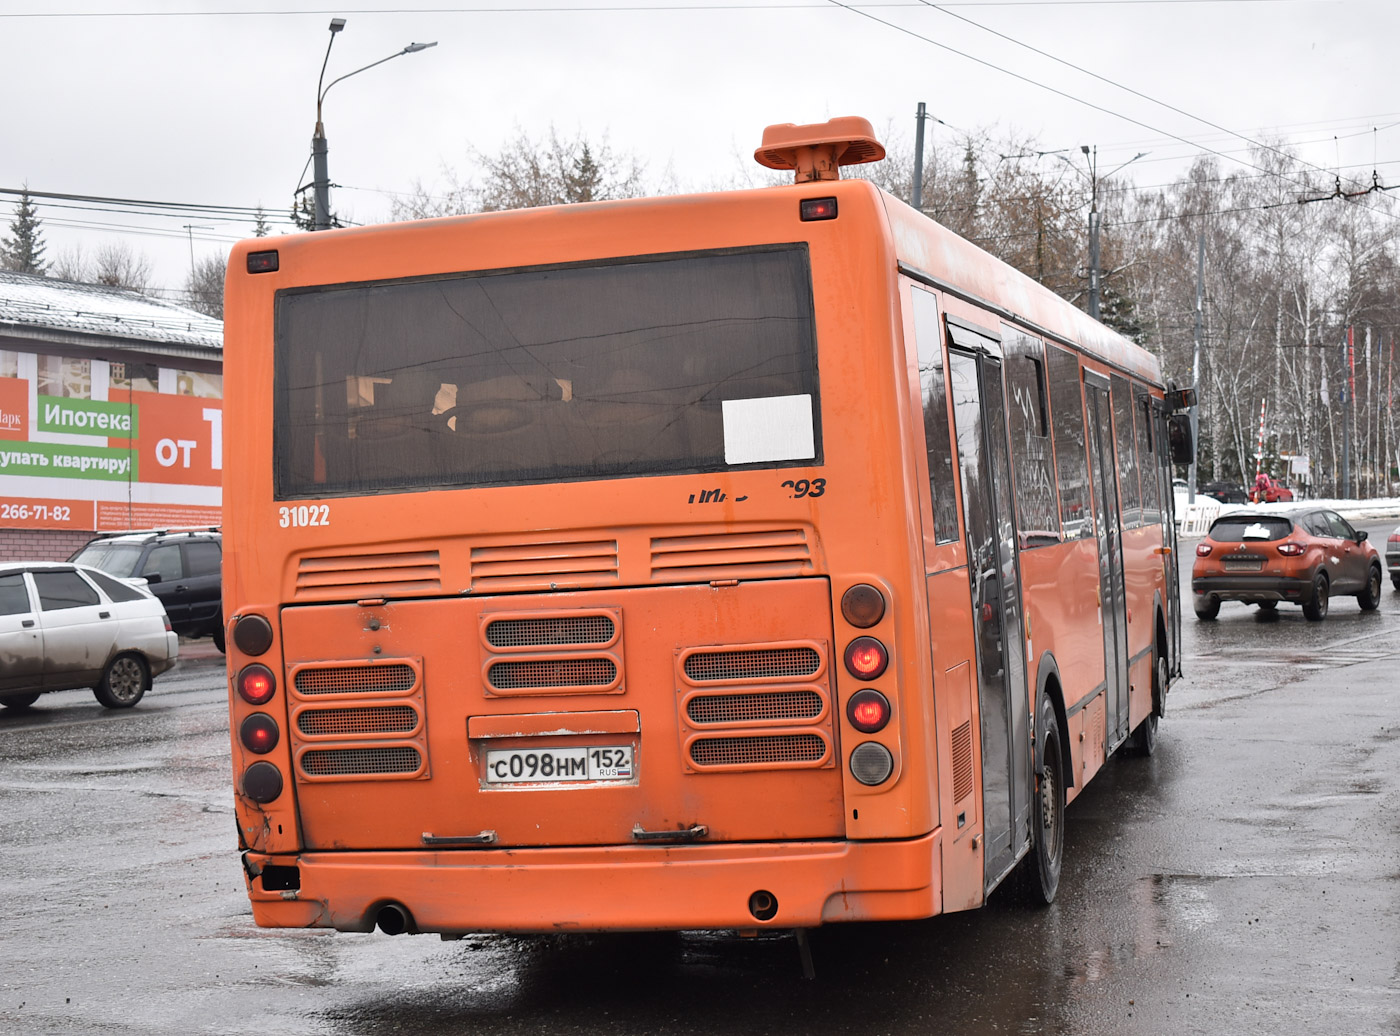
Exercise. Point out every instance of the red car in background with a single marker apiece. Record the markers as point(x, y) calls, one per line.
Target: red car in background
point(1268, 490)
point(1305, 556)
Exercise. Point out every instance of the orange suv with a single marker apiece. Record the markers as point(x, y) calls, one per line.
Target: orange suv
point(1306, 557)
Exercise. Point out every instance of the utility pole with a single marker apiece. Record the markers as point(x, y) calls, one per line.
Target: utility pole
point(917, 200)
point(1348, 387)
point(1093, 229)
point(1196, 364)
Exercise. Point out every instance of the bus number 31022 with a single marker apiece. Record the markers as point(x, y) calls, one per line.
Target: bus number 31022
point(304, 515)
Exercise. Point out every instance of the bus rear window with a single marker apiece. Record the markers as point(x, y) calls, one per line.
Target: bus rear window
point(700, 362)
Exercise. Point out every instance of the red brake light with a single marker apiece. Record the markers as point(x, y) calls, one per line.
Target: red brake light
point(1202, 550)
point(259, 733)
point(868, 710)
point(817, 208)
point(256, 684)
point(1291, 550)
point(866, 658)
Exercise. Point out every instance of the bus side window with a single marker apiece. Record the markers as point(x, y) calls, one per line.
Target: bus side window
point(1031, 458)
point(1124, 437)
point(1067, 432)
point(1147, 455)
point(933, 392)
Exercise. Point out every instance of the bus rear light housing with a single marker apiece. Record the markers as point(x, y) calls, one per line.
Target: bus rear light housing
point(871, 763)
point(868, 710)
point(262, 782)
point(812, 209)
point(259, 733)
point(862, 606)
point(256, 684)
point(252, 634)
point(866, 658)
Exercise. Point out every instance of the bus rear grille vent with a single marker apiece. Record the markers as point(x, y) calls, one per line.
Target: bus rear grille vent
point(369, 575)
point(342, 762)
point(962, 761)
point(746, 708)
point(551, 630)
point(544, 566)
point(360, 679)
point(749, 751)
point(765, 554)
point(391, 719)
point(553, 672)
point(737, 666)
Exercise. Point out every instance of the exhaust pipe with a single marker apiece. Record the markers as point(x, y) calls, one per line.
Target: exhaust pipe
point(763, 905)
point(393, 919)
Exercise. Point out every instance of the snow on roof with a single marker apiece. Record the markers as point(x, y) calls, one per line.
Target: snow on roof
point(32, 300)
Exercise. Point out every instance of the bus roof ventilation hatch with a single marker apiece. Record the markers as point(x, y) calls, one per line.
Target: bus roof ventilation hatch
point(816, 151)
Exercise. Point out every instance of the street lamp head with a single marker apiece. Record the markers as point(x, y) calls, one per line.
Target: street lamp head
point(1084, 148)
point(336, 25)
point(414, 48)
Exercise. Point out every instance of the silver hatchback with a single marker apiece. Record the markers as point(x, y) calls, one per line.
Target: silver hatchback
point(65, 626)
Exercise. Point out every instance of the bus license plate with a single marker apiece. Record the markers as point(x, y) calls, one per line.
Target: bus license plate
point(559, 765)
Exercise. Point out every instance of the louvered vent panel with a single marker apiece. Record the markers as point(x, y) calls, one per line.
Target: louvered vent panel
point(404, 572)
point(553, 672)
point(362, 679)
point(737, 666)
point(550, 631)
point(747, 751)
point(748, 555)
point(541, 566)
point(392, 719)
point(962, 761)
point(744, 708)
point(342, 762)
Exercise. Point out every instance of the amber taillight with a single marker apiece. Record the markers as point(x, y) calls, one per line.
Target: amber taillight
point(252, 634)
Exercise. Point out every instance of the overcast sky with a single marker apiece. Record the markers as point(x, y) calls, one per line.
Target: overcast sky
point(213, 103)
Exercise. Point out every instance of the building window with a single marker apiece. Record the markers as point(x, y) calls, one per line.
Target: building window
point(61, 376)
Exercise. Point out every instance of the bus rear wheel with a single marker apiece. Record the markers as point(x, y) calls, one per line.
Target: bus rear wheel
point(1040, 870)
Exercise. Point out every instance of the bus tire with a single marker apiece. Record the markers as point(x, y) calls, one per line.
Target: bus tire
point(124, 683)
point(1041, 869)
point(1145, 736)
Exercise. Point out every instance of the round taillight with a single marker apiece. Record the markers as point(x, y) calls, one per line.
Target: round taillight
point(252, 634)
point(871, 763)
point(259, 733)
point(1202, 550)
point(256, 684)
point(868, 710)
point(866, 658)
point(862, 606)
point(262, 782)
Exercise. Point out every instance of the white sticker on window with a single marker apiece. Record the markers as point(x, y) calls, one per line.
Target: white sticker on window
point(1257, 531)
point(768, 429)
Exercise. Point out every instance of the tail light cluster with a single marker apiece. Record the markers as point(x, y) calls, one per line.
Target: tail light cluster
point(1203, 549)
point(256, 684)
point(1290, 549)
point(867, 710)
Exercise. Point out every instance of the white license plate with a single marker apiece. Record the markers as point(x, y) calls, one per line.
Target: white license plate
point(559, 765)
point(1243, 564)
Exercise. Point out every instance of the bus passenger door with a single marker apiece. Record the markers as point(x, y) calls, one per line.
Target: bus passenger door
point(979, 416)
point(1108, 530)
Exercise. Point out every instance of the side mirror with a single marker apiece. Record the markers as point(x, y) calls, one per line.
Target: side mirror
point(1180, 399)
point(1183, 449)
point(1361, 535)
point(152, 578)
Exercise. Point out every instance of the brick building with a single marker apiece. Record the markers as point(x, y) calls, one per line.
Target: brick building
point(111, 415)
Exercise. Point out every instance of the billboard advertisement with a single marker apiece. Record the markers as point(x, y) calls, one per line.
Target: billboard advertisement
point(134, 460)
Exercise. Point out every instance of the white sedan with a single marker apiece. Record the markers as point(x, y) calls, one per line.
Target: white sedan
point(64, 626)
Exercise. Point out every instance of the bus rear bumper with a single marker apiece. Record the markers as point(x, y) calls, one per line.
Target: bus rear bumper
point(603, 888)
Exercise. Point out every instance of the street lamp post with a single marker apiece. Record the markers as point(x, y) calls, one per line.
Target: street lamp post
point(1092, 157)
point(321, 178)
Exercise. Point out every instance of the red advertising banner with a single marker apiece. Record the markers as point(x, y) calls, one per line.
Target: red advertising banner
point(14, 408)
point(41, 513)
point(115, 517)
point(179, 438)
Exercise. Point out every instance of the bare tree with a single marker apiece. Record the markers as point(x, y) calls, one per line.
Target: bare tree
point(204, 288)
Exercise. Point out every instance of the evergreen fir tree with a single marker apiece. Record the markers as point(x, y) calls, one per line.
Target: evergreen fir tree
point(23, 250)
point(260, 227)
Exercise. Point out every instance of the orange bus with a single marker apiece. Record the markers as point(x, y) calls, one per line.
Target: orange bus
point(755, 559)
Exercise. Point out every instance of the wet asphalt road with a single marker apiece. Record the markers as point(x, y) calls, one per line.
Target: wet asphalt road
point(1245, 879)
